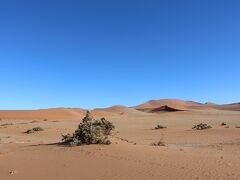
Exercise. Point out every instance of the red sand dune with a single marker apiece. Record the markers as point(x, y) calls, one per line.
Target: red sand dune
point(181, 104)
point(77, 113)
point(176, 103)
point(41, 114)
point(116, 110)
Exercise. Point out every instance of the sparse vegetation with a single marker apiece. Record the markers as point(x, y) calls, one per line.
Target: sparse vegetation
point(223, 124)
point(90, 131)
point(201, 126)
point(160, 127)
point(6, 124)
point(159, 143)
point(35, 129)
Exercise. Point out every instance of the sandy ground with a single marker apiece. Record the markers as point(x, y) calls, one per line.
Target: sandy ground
point(188, 154)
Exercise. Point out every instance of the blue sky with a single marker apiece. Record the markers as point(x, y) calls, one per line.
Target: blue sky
point(69, 53)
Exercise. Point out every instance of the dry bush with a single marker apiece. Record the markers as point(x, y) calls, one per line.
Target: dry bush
point(159, 143)
point(90, 131)
point(35, 129)
point(201, 126)
point(223, 124)
point(160, 127)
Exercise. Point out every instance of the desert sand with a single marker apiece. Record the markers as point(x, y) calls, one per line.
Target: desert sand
point(188, 154)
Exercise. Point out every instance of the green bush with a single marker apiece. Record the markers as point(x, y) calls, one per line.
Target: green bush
point(35, 129)
point(90, 131)
point(201, 126)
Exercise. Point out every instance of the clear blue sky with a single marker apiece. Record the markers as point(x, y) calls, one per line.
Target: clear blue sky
point(93, 53)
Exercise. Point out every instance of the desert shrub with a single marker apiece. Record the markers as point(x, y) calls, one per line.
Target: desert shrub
point(35, 129)
point(6, 124)
point(90, 131)
point(223, 124)
point(201, 126)
point(237, 126)
point(160, 127)
point(159, 143)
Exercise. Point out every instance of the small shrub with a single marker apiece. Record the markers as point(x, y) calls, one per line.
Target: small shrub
point(7, 124)
point(237, 126)
point(223, 124)
point(201, 126)
point(159, 143)
point(160, 127)
point(90, 131)
point(35, 129)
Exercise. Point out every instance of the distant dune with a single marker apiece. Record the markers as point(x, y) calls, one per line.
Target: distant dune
point(117, 110)
point(162, 105)
point(232, 107)
point(41, 114)
point(184, 105)
point(175, 103)
point(66, 113)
